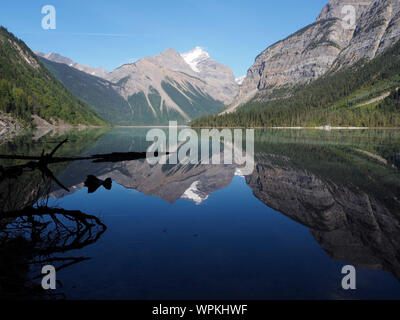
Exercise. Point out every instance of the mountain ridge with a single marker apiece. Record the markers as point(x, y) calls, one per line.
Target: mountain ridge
point(160, 88)
point(56, 57)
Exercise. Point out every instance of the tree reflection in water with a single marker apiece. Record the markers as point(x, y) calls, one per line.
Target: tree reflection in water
point(32, 234)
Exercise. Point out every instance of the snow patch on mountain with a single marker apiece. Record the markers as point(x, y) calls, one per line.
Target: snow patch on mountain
point(194, 57)
point(239, 80)
point(194, 194)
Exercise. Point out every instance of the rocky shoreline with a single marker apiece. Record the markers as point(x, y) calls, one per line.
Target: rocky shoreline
point(9, 126)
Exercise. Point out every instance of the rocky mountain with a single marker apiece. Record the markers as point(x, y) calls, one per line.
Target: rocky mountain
point(173, 86)
point(219, 77)
point(9, 126)
point(326, 45)
point(171, 59)
point(55, 57)
point(28, 90)
point(154, 90)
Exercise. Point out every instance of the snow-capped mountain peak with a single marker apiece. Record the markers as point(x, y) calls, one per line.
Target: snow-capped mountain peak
point(239, 80)
point(194, 57)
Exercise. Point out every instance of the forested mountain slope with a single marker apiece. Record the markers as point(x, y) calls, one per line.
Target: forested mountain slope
point(27, 88)
point(335, 99)
point(100, 94)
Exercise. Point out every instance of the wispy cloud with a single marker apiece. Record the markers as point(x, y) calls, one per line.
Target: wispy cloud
point(95, 34)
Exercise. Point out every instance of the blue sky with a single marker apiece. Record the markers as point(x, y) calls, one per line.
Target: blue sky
point(109, 33)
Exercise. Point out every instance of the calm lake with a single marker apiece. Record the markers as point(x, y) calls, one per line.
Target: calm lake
point(316, 202)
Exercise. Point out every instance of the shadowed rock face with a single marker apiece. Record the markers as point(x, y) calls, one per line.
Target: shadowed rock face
point(349, 223)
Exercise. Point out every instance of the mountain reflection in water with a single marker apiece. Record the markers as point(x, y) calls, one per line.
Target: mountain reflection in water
point(343, 186)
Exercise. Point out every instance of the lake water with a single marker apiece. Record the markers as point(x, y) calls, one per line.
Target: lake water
point(316, 201)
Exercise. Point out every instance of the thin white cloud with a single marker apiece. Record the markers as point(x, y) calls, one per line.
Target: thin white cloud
point(96, 34)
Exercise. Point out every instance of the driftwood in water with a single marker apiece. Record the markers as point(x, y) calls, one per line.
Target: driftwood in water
point(34, 234)
point(41, 163)
point(108, 157)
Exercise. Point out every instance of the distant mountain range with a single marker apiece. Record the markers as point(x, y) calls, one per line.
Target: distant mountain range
point(153, 90)
point(325, 73)
point(55, 57)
